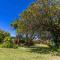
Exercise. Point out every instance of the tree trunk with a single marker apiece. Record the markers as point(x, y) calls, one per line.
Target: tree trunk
point(55, 39)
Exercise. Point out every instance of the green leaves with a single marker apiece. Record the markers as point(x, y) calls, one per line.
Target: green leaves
point(3, 35)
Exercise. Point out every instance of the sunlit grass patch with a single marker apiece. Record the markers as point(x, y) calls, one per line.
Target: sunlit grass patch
point(25, 53)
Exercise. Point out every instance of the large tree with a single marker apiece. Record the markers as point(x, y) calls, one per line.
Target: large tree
point(42, 15)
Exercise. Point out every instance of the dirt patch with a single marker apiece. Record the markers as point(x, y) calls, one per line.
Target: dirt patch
point(55, 58)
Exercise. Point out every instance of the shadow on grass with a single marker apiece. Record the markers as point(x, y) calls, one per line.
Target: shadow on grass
point(44, 50)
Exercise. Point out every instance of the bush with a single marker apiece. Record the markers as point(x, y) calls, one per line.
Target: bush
point(8, 43)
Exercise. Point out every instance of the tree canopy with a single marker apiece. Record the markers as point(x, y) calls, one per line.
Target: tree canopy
point(42, 15)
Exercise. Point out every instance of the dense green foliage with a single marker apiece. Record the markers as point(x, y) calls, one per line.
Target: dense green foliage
point(6, 40)
point(3, 35)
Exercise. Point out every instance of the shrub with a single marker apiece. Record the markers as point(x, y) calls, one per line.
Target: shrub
point(8, 43)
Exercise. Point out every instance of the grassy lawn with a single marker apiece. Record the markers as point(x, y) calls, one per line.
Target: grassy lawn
point(26, 54)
